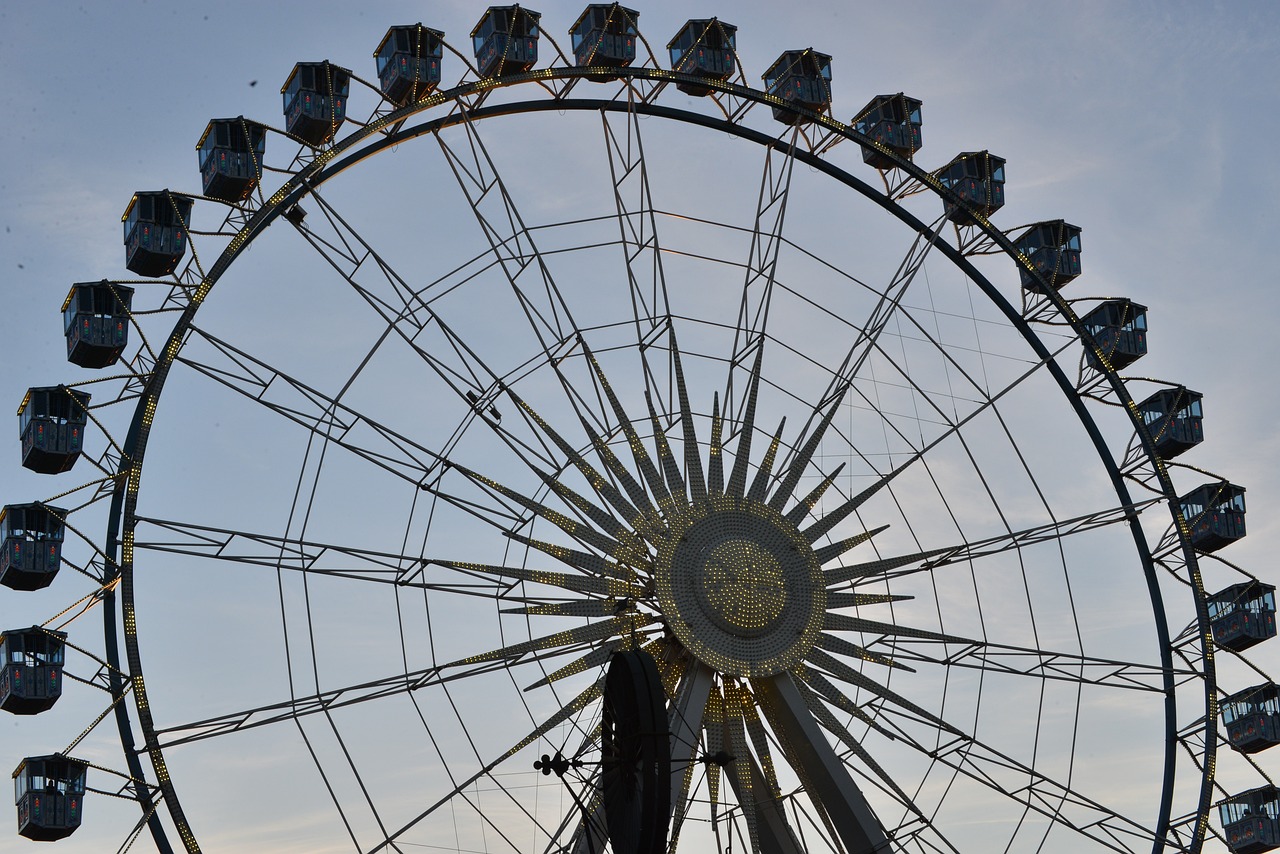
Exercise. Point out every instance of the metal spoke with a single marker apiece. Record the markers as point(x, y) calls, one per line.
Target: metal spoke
point(312, 409)
point(1032, 662)
point(685, 719)
point(1013, 779)
point(893, 567)
point(510, 241)
point(403, 571)
point(512, 245)
point(796, 465)
point(411, 315)
point(769, 831)
point(762, 263)
point(573, 707)
point(276, 552)
point(638, 235)
point(328, 700)
point(341, 425)
point(833, 790)
point(746, 429)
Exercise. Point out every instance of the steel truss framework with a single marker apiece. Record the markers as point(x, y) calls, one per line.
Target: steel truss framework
point(787, 677)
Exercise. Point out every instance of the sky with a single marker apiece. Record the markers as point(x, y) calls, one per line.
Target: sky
point(1148, 124)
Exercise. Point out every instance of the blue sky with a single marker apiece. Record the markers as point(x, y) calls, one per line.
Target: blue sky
point(1150, 125)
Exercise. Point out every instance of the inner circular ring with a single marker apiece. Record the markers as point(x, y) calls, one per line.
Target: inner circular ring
point(741, 587)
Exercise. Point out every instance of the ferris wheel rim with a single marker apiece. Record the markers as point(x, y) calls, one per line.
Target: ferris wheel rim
point(312, 177)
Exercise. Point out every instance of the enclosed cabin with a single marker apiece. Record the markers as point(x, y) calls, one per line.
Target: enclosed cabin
point(1243, 615)
point(893, 122)
point(31, 538)
point(1214, 514)
point(32, 678)
point(230, 153)
point(706, 48)
point(409, 63)
point(1174, 420)
point(315, 101)
point(506, 40)
point(605, 34)
point(49, 792)
point(977, 177)
point(1052, 249)
point(801, 78)
point(1252, 718)
point(155, 232)
point(1119, 328)
point(51, 422)
point(1251, 821)
point(95, 318)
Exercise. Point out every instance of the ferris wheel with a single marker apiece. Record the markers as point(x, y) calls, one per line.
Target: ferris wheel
point(607, 453)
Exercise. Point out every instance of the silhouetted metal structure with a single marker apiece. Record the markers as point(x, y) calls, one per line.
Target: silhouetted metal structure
point(722, 563)
point(635, 777)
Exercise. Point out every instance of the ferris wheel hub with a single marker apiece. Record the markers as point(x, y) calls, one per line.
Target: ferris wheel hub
point(741, 586)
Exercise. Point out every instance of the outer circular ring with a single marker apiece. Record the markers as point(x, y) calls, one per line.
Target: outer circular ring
point(379, 135)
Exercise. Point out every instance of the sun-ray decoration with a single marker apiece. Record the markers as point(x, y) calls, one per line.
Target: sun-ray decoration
point(729, 581)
